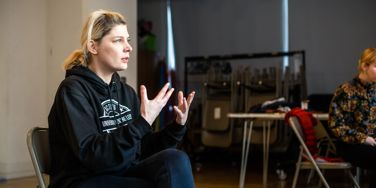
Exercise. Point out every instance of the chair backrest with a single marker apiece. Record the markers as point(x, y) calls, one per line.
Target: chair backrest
point(323, 137)
point(38, 145)
point(297, 129)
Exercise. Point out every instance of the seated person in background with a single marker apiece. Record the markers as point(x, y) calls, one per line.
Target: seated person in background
point(352, 115)
point(100, 133)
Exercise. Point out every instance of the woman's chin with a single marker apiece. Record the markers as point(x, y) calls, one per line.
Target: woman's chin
point(123, 67)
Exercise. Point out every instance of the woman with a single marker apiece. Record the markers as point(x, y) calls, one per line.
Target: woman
point(100, 134)
point(352, 114)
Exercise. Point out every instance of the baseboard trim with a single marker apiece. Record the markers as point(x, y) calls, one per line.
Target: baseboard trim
point(16, 170)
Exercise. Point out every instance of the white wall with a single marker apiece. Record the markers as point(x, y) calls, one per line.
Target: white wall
point(64, 31)
point(23, 101)
point(36, 36)
point(4, 57)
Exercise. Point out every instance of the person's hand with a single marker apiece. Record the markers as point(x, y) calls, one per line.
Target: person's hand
point(370, 141)
point(150, 109)
point(182, 108)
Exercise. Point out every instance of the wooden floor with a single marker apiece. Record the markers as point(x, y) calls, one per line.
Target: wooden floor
point(215, 178)
point(224, 173)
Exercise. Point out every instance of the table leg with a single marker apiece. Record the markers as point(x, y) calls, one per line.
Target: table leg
point(266, 140)
point(245, 151)
point(241, 181)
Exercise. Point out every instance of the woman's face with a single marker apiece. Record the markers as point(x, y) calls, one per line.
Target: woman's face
point(114, 49)
point(369, 72)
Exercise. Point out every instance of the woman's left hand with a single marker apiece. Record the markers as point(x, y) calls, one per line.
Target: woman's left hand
point(182, 108)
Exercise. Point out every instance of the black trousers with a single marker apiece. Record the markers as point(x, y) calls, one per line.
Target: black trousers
point(360, 155)
point(168, 168)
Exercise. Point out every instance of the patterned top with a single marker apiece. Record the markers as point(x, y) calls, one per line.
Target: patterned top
point(352, 112)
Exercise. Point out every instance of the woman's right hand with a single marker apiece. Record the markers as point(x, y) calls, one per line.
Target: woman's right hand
point(150, 109)
point(370, 141)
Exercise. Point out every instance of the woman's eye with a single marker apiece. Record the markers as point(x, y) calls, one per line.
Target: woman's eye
point(118, 40)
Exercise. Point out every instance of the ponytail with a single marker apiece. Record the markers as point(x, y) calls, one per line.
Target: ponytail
point(75, 58)
point(82, 56)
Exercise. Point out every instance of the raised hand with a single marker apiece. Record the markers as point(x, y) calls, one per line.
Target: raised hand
point(150, 109)
point(370, 141)
point(182, 108)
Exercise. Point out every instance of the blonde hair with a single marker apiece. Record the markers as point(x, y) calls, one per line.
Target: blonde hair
point(97, 25)
point(367, 58)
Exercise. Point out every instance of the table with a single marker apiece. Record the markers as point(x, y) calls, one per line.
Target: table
point(247, 132)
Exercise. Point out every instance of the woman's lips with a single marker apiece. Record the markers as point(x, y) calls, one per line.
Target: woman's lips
point(125, 59)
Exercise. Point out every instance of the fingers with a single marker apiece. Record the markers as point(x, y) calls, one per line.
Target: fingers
point(168, 95)
point(373, 142)
point(163, 91)
point(178, 112)
point(370, 141)
point(190, 97)
point(182, 101)
point(143, 93)
point(180, 98)
point(185, 105)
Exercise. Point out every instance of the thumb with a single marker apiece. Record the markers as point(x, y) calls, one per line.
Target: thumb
point(143, 93)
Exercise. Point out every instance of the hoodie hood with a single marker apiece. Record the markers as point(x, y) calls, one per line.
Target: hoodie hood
point(94, 79)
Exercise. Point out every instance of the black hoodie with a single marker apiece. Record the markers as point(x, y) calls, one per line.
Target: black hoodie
point(95, 128)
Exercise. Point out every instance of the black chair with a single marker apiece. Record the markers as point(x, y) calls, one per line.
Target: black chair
point(38, 145)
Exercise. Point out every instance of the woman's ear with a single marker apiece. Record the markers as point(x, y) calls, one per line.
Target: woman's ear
point(364, 67)
point(92, 47)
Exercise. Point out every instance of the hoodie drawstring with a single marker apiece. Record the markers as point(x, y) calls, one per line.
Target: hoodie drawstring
point(117, 96)
point(113, 84)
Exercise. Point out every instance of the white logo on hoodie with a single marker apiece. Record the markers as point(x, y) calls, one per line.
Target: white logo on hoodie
point(114, 114)
point(110, 108)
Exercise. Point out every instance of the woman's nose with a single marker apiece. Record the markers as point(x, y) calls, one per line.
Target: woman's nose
point(128, 47)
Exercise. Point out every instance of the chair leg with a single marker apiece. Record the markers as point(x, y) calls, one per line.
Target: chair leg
point(320, 182)
point(354, 179)
point(310, 176)
point(297, 170)
point(357, 175)
point(296, 175)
